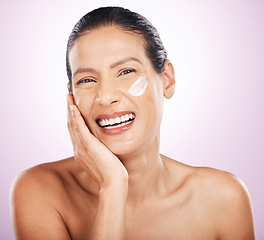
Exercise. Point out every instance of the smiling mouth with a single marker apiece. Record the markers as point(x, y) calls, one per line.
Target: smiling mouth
point(116, 122)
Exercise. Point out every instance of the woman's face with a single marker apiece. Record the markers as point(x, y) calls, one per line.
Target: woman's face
point(116, 89)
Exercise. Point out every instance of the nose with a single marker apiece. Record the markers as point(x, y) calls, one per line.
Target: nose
point(108, 94)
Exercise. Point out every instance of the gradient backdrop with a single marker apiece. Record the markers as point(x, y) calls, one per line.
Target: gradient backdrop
point(215, 118)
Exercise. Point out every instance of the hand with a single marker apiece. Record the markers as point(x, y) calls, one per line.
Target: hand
point(95, 158)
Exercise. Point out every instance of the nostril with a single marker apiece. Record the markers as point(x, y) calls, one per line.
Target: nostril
point(108, 96)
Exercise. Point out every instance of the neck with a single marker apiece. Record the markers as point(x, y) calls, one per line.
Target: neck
point(146, 172)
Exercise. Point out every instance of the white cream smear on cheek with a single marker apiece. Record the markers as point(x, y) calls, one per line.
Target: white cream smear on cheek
point(138, 87)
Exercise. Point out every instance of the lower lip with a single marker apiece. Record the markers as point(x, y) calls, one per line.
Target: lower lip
point(118, 130)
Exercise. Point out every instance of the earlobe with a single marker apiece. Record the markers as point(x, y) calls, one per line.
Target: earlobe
point(168, 79)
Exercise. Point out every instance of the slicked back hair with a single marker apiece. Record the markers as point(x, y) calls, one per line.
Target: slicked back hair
point(126, 20)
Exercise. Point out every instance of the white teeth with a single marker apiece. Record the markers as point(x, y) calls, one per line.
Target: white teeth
point(117, 120)
point(119, 125)
point(111, 121)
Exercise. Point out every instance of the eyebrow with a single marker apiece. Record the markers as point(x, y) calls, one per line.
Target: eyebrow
point(84, 70)
point(124, 60)
point(113, 65)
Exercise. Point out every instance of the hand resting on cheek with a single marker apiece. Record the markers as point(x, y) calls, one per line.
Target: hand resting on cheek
point(94, 157)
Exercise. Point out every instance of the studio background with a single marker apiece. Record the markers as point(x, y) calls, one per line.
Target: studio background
point(215, 118)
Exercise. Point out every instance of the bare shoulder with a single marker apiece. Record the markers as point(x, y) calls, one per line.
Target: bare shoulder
point(210, 183)
point(227, 199)
point(34, 198)
point(42, 179)
point(222, 187)
point(217, 198)
point(222, 199)
point(204, 179)
point(222, 184)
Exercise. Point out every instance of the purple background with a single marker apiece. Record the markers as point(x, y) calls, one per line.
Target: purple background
point(215, 118)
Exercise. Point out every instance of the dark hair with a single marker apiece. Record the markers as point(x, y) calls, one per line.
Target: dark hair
point(126, 20)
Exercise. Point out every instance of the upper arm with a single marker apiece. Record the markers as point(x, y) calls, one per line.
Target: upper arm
point(235, 212)
point(33, 213)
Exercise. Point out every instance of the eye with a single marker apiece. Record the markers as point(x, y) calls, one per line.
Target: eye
point(127, 71)
point(85, 80)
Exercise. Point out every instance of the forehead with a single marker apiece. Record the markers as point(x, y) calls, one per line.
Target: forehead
point(105, 46)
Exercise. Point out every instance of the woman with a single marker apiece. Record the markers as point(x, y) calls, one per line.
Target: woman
point(118, 185)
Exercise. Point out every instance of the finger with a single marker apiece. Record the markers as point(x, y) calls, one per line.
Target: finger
point(71, 134)
point(80, 126)
point(91, 144)
point(69, 117)
point(69, 113)
point(70, 99)
point(77, 115)
point(75, 137)
point(83, 138)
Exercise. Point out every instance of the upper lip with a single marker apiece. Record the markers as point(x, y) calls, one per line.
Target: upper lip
point(113, 115)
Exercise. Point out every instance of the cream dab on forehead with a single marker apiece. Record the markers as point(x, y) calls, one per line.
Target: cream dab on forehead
point(138, 87)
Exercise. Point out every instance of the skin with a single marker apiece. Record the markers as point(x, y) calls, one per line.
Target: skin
point(119, 186)
point(138, 87)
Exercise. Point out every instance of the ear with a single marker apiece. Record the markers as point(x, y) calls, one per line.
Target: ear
point(168, 79)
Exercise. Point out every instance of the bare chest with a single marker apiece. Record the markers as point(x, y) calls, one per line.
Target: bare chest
point(154, 221)
point(168, 222)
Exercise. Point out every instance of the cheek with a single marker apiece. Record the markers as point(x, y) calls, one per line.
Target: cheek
point(148, 93)
point(142, 85)
point(138, 88)
point(149, 97)
point(154, 100)
point(83, 101)
point(79, 96)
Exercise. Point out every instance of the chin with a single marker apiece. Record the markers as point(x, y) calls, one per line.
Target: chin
point(123, 148)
